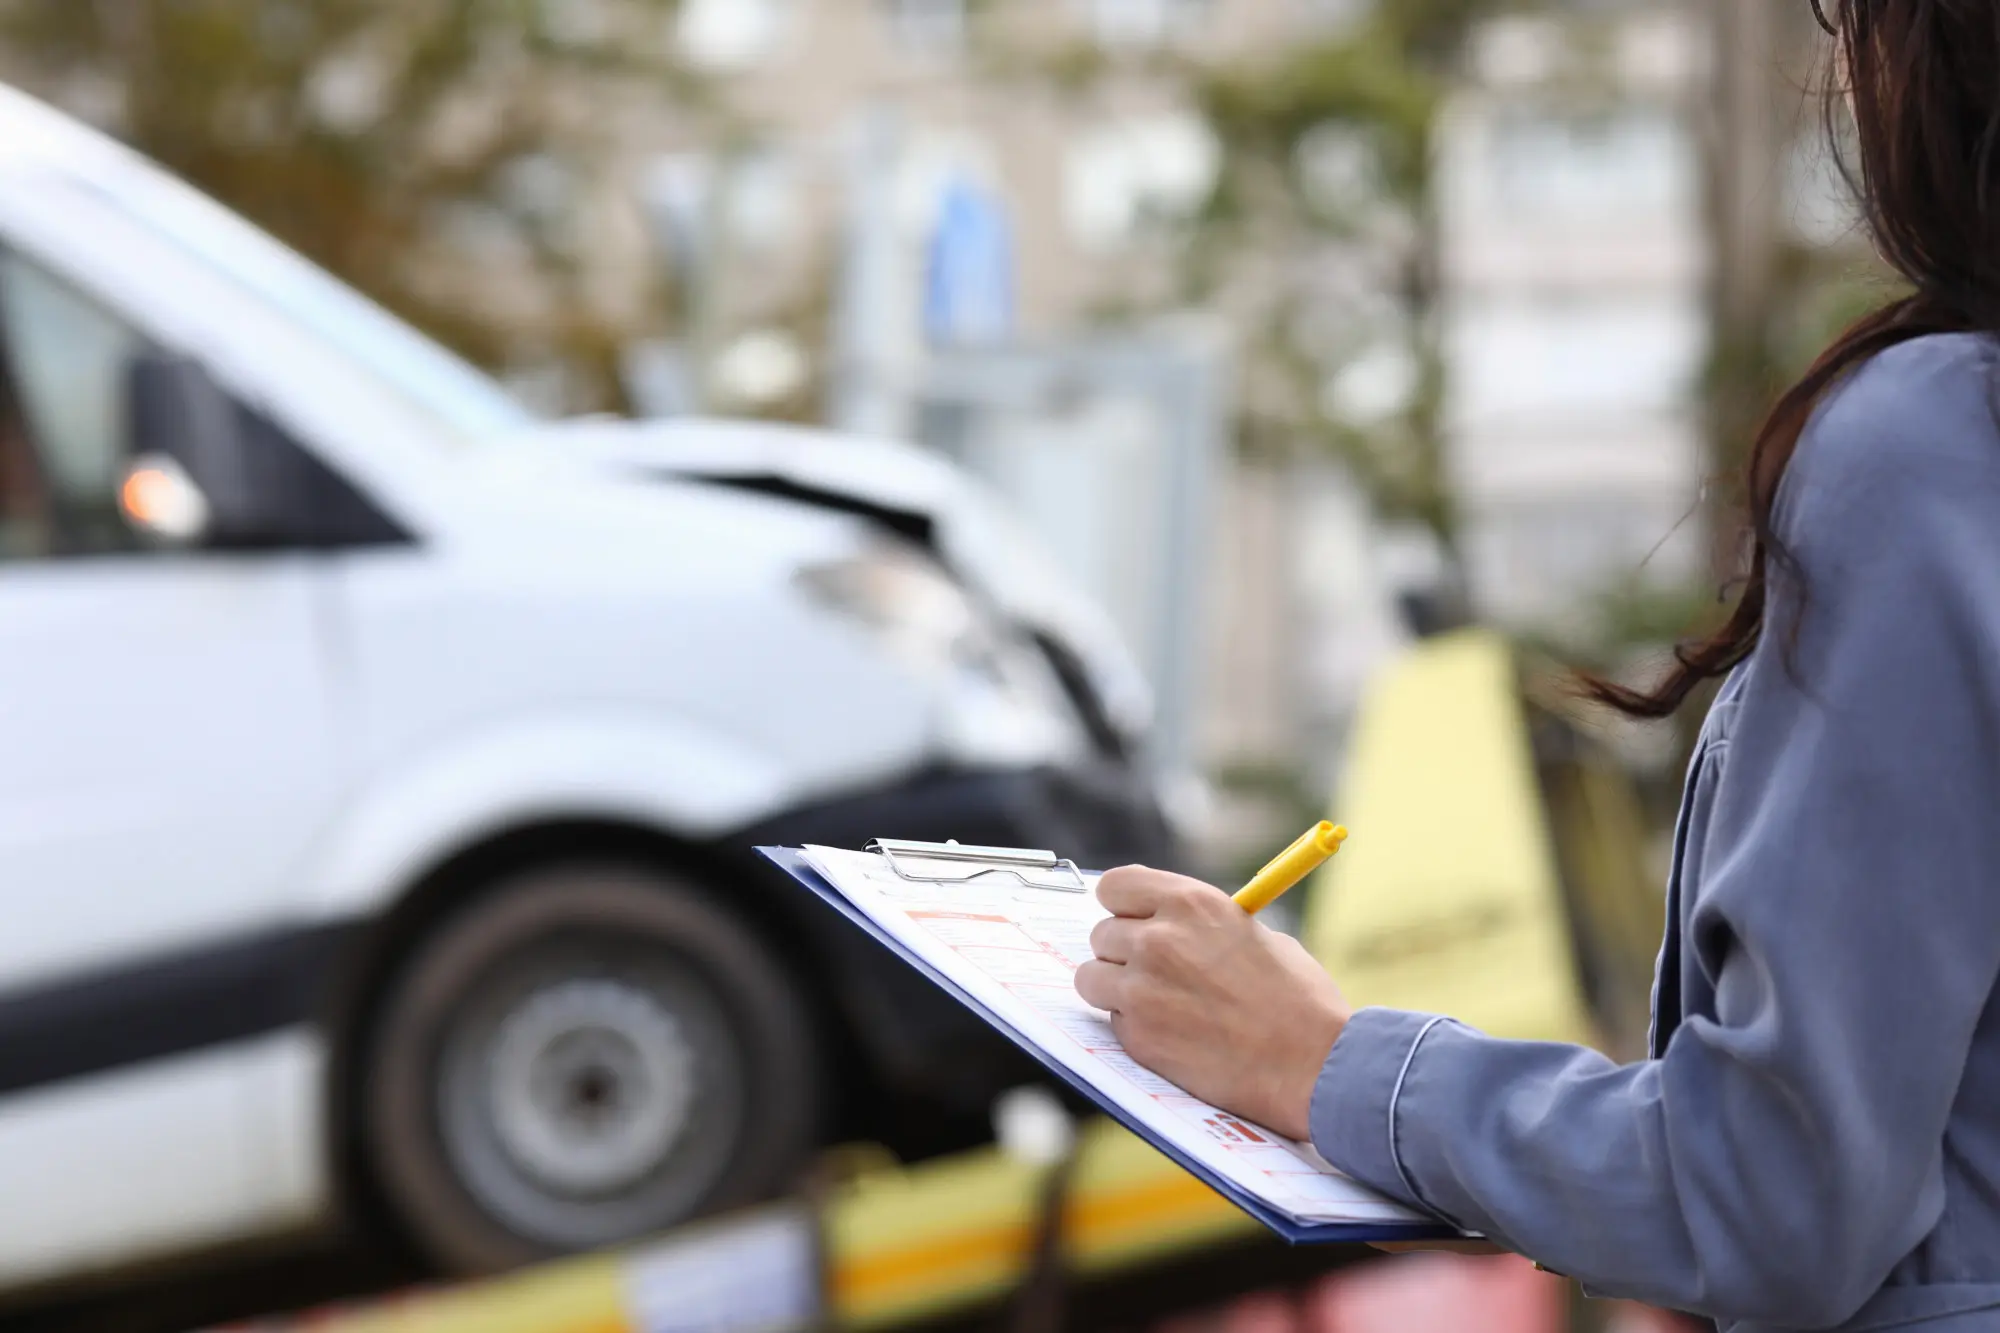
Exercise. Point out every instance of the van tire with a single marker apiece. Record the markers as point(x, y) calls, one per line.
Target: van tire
point(587, 1054)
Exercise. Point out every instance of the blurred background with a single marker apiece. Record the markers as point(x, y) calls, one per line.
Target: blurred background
point(1483, 291)
point(1232, 351)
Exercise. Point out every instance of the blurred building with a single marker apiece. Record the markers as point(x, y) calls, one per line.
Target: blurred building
point(1059, 103)
point(1575, 265)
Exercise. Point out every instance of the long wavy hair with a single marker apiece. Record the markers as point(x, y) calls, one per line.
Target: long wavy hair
point(1923, 80)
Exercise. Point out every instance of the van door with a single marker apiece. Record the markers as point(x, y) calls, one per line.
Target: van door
point(166, 760)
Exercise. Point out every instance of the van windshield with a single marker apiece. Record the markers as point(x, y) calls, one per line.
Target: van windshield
point(465, 399)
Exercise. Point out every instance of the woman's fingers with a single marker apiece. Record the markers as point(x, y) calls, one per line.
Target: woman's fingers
point(1133, 890)
point(1204, 995)
point(1111, 939)
point(1101, 984)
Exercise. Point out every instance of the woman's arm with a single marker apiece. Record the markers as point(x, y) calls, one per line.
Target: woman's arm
point(1785, 1154)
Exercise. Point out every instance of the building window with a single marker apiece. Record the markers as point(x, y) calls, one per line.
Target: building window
point(61, 460)
point(930, 29)
point(730, 35)
point(1621, 163)
point(1138, 24)
point(1608, 355)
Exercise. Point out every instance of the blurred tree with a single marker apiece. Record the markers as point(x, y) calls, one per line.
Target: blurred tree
point(440, 155)
point(1792, 265)
point(1790, 268)
point(1317, 243)
point(1322, 223)
point(1318, 238)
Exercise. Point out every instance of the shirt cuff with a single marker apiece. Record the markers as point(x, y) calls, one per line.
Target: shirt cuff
point(1353, 1113)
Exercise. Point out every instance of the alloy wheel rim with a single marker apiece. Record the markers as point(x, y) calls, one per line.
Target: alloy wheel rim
point(591, 1083)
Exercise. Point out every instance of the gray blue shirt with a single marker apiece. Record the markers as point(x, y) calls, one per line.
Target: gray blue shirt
point(1815, 1142)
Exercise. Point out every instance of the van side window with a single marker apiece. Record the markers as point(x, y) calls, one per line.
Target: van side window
point(64, 441)
point(24, 509)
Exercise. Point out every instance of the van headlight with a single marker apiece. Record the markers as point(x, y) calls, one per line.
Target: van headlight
point(913, 608)
point(999, 702)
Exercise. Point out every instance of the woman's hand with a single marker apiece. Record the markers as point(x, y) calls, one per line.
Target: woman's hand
point(1200, 992)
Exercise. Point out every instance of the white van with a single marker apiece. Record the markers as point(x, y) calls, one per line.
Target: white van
point(379, 766)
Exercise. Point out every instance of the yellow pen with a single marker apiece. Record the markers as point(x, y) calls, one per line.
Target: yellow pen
point(1308, 853)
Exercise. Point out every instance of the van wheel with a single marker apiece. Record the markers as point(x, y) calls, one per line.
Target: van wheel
point(585, 1055)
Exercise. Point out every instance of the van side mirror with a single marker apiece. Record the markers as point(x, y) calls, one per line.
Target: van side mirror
point(195, 474)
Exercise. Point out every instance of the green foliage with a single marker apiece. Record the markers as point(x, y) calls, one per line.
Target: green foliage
point(1431, 32)
point(373, 136)
point(1368, 80)
point(1634, 615)
point(1376, 92)
point(1071, 69)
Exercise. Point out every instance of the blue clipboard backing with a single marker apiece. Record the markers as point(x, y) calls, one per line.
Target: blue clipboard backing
point(792, 862)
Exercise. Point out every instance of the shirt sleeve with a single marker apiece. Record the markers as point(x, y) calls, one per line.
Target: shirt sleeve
point(1786, 1153)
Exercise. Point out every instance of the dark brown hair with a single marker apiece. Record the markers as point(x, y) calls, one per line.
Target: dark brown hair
point(1923, 79)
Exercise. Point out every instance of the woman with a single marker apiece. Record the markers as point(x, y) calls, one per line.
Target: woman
point(1815, 1142)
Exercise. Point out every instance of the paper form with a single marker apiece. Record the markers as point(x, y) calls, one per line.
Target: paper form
point(1015, 949)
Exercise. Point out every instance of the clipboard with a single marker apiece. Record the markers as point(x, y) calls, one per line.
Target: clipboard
point(792, 862)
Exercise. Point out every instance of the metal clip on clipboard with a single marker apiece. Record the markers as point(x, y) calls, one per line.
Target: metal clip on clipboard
point(997, 861)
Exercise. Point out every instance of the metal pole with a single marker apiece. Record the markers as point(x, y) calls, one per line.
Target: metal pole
point(868, 390)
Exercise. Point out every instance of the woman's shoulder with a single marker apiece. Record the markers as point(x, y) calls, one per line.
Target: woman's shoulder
point(1936, 394)
point(1915, 425)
